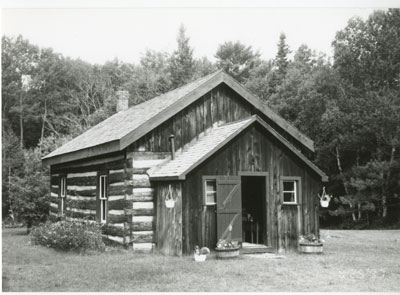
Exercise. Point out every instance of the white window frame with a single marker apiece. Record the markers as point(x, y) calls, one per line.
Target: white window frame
point(296, 189)
point(206, 193)
point(103, 198)
point(63, 193)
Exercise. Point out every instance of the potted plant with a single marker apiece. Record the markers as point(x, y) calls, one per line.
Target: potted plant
point(310, 244)
point(200, 255)
point(227, 249)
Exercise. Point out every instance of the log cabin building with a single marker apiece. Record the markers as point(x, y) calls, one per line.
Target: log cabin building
point(175, 171)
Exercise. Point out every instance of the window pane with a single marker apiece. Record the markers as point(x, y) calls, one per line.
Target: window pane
point(211, 186)
point(103, 188)
point(103, 210)
point(211, 198)
point(288, 197)
point(288, 186)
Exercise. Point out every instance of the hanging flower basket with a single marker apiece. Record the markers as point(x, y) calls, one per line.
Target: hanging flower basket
point(324, 203)
point(324, 199)
point(169, 200)
point(169, 203)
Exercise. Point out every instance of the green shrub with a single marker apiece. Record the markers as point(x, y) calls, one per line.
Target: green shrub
point(69, 235)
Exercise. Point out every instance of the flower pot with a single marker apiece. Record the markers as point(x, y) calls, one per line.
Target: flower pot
point(311, 248)
point(169, 203)
point(224, 253)
point(200, 257)
point(324, 203)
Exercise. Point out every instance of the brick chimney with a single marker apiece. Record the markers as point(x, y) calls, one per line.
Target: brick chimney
point(122, 100)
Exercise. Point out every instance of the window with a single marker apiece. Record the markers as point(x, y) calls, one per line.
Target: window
point(103, 198)
point(210, 192)
point(63, 193)
point(290, 187)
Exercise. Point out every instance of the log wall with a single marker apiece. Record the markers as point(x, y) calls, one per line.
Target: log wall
point(141, 210)
point(54, 196)
point(82, 195)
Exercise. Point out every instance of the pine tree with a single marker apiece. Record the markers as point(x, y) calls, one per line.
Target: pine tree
point(281, 59)
point(182, 64)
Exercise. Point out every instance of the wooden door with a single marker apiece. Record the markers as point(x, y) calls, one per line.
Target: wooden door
point(229, 207)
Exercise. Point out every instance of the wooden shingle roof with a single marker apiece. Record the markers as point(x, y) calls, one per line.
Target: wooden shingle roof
point(122, 129)
point(208, 144)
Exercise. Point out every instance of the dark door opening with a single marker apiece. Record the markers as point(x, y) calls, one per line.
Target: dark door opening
point(253, 209)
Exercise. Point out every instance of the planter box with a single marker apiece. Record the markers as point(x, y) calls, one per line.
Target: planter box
point(227, 253)
point(311, 248)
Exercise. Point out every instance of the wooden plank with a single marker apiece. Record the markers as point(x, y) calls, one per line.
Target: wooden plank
point(169, 220)
point(142, 223)
point(141, 194)
point(79, 188)
point(140, 180)
point(99, 150)
point(83, 174)
point(142, 236)
point(142, 211)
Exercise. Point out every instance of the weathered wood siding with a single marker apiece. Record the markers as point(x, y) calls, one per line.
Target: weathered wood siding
point(253, 150)
point(219, 106)
point(169, 220)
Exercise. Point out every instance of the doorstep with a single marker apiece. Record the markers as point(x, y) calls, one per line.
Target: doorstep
point(249, 248)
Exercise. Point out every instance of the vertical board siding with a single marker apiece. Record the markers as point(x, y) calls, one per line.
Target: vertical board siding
point(219, 105)
point(253, 150)
point(169, 220)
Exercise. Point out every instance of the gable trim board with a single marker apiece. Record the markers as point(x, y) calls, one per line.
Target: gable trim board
point(196, 155)
point(190, 93)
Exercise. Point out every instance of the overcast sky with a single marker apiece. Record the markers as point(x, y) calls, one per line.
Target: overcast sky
point(98, 35)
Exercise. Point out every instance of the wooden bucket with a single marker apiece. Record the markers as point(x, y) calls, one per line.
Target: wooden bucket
point(227, 253)
point(311, 248)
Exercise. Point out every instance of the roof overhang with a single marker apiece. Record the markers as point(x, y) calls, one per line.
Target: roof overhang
point(255, 119)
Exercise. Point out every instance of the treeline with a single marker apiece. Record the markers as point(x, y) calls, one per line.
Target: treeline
point(349, 106)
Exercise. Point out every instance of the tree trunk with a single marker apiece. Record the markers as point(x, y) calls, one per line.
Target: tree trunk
point(344, 181)
point(341, 171)
point(387, 183)
point(43, 124)
point(21, 121)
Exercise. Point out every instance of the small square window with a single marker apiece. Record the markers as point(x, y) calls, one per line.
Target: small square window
point(210, 192)
point(289, 192)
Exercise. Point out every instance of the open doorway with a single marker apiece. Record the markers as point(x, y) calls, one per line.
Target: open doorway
point(253, 209)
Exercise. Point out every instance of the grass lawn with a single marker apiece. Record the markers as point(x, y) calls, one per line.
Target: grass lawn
point(353, 260)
